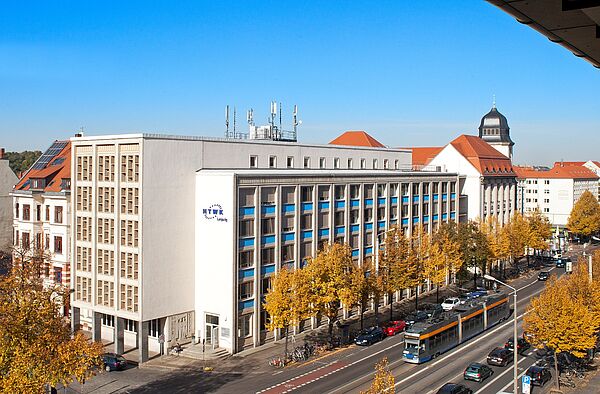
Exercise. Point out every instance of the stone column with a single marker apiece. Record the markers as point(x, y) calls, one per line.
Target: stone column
point(488, 200)
point(119, 335)
point(75, 319)
point(96, 326)
point(142, 339)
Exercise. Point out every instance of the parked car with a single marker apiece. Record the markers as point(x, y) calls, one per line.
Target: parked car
point(113, 362)
point(477, 372)
point(539, 375)
point(394, 327)
point(480, 291)
point(560, 263)
point(416, 316)
point(500, 357)
point(454, 388)
point(544, 275)
point(450, 303)
point(369, 336)
point(522, 345)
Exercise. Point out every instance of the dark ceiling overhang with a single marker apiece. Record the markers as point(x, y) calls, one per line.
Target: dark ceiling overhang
point(574, 24)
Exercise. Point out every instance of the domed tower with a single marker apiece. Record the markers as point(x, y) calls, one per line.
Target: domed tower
point(495, 131)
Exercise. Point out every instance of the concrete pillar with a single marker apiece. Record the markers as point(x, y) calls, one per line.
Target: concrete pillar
point(96, 326)
point(75, 319)
point(485, 317)
point(488, 200)
point(142, 339)
point(119, 335)
point(460, 329)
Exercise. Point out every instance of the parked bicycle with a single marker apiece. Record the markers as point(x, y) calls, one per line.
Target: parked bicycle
point(277, 362)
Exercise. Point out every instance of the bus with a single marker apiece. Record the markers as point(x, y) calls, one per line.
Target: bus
point(424, 341)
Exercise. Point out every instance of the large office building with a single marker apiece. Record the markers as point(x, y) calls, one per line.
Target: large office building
point(176, 238)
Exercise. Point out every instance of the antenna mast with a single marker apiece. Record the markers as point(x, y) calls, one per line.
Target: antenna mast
point(234, 136)
point(227, 121)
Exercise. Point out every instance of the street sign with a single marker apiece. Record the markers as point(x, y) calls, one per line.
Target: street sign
point(526, 384)
point(569, 267)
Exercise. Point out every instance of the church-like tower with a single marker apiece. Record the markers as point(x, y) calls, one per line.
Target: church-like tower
point(495, 131)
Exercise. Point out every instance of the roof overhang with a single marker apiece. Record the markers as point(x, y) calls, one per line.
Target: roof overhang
point(574, 24)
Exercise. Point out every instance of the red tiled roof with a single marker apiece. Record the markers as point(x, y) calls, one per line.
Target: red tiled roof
point(357, 138)
point(54, 172)
point(484, 157)
point(423, 155)
point(556, 172)
point(575, 163)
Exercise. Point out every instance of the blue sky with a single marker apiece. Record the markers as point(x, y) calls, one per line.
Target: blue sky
point(409, 73)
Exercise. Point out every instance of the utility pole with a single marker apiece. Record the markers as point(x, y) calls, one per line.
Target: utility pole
point(590, 267)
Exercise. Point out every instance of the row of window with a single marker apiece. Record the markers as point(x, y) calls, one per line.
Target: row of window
point(105, 293)
point(24, 241)
point(535, 182)
point(337, 163)
point(155, 326)
point(24, 212)
point(130, 168)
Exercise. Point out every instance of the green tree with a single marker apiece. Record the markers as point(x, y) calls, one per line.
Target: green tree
point(21, 161)
point(584, 219)
point(383, 380)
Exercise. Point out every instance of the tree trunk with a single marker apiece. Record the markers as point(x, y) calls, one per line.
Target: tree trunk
point(417, 298)
point(475, 280)
point(330, 328)
point(376, 311)
point(437, 294)
point(556, 380)
point(285, 357)
point(391, 300)
point(362, 316)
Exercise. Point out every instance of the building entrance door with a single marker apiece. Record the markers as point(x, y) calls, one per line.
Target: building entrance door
point(212, 331)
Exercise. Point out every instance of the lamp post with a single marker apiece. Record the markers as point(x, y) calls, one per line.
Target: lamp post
point(515, 342)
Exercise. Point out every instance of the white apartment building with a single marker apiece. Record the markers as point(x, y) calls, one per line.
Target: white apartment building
point(155, 239)
point(554, 191)
point(41, 209)
point(8, 180)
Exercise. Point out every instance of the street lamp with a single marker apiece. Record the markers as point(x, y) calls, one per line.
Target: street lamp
point(515, 343)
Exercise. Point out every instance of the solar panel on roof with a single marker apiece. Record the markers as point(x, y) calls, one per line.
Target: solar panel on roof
point(54, 150)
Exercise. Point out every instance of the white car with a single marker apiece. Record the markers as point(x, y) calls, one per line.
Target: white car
point(450, 303)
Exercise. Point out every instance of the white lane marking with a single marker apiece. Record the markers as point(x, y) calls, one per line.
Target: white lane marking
point(511, 382)
point(511, 369)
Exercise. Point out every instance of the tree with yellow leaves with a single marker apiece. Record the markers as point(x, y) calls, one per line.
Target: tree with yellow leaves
point(445, 257)
point(37, 347)
point(560, 322)
point(362, 288)
point(584, 219)
point(584, 291)
point(540, 230)
point(395, 272)
point(383, 380)
point(517, 234)
point(418, 256)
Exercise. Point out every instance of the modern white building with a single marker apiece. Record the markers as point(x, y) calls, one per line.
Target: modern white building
point(41, 208)
point(591, 165)
point(554, 191)
point(8, 180)
point(174, 237)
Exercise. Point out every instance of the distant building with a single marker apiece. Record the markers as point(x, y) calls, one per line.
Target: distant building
point(592, 165)
point(494, 130)
point(555, 191)
point(8, 180)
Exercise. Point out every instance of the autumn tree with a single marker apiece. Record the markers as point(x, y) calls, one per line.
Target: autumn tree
point(560, 322)
point(474, 246)
point(584, 219)
point(37, 347)
point(394, 271)
point(383, 380)
point(419, 254)
point(362, 288)
point(517, 233)
point(540, 230)
point(285, 302)
point(446, 257)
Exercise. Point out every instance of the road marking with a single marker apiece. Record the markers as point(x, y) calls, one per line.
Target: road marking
point(511, 369)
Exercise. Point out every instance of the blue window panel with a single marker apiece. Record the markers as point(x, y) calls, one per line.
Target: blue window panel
point(405, 200)
point(354, 228)
point(368, 226)
point(368, 202)
point(246, 304)
point(415, 198)
point(268, 239)
point(289, 207)
point(381, 224)
point(405, 221)
point(355, 253)
point(415, 220)
point(307, 206)
point(324, 232)
point(247, 211)
point(425, 219)
point(268, 209)
point(306, 234)
point(324, 205)
point(426, 198)
point(247, 273)
point(267, 269)
point(394, 200)
point(452, 196)
point(381, 200)
point(452, 215)
point(369, 250)
point(288, 237)
point(393, 221)
point(435, 217)
point(303, 263)
point(246, 242)
point(340, 230)
point(444, 197)
point(354, 203)
point(340, 204)
point(436, 197)
point(444, 216)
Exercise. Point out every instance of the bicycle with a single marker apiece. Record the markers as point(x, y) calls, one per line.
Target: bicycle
point(277, 362)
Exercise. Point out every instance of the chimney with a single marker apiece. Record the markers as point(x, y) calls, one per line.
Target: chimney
point(78, 134)
point(2, 154)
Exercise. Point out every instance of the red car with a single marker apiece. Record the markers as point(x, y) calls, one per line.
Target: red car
point(394, 327)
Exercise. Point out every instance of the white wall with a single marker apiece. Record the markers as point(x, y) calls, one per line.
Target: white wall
point(215, 292)
point(8, 180)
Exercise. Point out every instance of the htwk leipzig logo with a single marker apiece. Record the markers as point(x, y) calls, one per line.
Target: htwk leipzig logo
point(215, 212)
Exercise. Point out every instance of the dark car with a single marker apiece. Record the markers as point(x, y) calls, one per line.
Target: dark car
point(417, 316)
point(454, 388)
point(522, 345)
point(539, 375)
point(113, 362)
point(369, 336)
point(544, 275)
point(500, 357)
point(560, 263)
point(477, 293)
point(394, 327)
point(477, 372)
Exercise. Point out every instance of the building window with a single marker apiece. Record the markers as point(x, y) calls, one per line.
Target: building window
point(107, 320)
point(546, 182)
point(287, 224)
point(253, 161)
point(266, 285)
point(155, 328)
point(386, 164)
point(272, 161)
point(354, 216)
point(26, 212)
point(339, 218)
point(546, 191)
point(322, 162)
point(25, 240)
point(306, 221)
point(247, 228)
point(38, 213)
point(290, 162)
point(246, 259)
point(246, 290)
point(306, 162)
point(354, 191)
point(17, 210)
point(349, 163)
point(546, 200)
point(268, 226)
point(130, 325)
point(306, 193)
point(396, 164)
point(287, 253)
point(47, 213)
point(336, 162)
point(546, 210)
point(363, 164)
point(245, 326)
point(58, 214)
point(374, 164)
point(268, 256)
point(58, 245)
point(340, 192)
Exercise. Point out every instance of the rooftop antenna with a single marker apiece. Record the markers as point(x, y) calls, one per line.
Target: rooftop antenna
point(234, 114)
point(279, 132)
point(226, 121)
point(273, 112)
point(494, 101)
point(295, 121)
point(250, 117)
